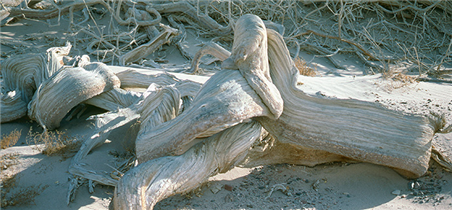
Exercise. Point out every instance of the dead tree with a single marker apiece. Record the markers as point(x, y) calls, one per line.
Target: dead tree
point(258, 88)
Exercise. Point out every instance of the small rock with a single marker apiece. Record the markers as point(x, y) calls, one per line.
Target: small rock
point(228, 187)
point(396, 192)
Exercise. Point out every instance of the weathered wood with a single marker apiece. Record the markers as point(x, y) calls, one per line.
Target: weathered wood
point(146, 49)
point(12, 106)
point(155, 106)
point(188, 9)
point(308, 131)
point(210, 48)
point(140, 78)
point(19, 73)
point(249, 55)
point(354, 129)
point(114, 99)
point(271, 151)
point(56, 96)
point(148, 183)
point(225, 100)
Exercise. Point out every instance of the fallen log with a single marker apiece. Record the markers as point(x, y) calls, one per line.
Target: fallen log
point(358, 130)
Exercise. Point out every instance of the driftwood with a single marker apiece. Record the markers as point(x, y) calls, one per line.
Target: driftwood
point(308, 131)
point(114, 99)
point(63, 91)
point(144, 50)
point(12, 106)
point(170, 175)
point(225, 100)
point(20, 73)
point(253, 102)
point(210, 48)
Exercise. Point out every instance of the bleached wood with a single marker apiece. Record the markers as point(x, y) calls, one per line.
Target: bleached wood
point(59, 94)
point(139, 78)
point(146, 49)
point(155, 106)
point(358, 130)
point(225, 100)
point(19, 73)
point(308, 131)
point(12, 106)
point(114, 99)
point(210, 48)
point(249, 55)
point(148, 183)
point(26, 72)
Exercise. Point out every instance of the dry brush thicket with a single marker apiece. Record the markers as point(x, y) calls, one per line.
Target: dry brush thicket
point(251, 112)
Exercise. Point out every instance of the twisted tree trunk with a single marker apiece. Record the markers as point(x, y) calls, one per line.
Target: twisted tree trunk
point(261, 87)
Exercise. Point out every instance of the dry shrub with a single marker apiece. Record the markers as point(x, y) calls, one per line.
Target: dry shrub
point(11, 195)
point(11, 139)
point(398, 80)
point(55, 142)
point(404, 78)
point(8, 160)
point(303, 68)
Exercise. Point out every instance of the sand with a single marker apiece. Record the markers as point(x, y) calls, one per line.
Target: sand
point(328, 186)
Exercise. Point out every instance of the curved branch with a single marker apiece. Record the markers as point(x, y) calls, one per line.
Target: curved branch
point(150, 182)
point(56, 96)
point(225, 100)
point(188, 9)
point(12, 106)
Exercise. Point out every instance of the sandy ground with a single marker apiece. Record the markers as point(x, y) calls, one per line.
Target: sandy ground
point(329, 186)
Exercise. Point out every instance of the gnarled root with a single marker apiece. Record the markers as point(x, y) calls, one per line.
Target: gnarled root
point(154, 107)
point(20, 72)
point(114, 99)
point(12, 106)
point(58, 95)
point(150, 182)
point(225, 100)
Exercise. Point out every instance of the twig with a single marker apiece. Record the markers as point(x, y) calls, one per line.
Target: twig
point(146, 49)
point(325, 53)
point(409, 6)
point(445, 55)
point(372, 57)
point(180, 38)
point(189, 10)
